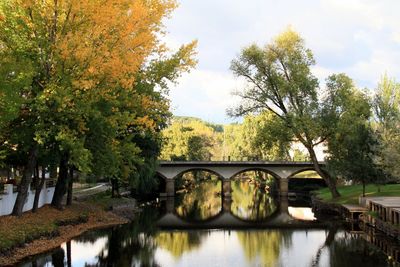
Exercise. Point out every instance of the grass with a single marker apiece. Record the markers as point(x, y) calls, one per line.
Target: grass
point(105, 201)
point(15, 232)
point(350, 194)
point(373, 214)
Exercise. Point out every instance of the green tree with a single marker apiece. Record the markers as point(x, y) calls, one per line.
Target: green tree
point(386, 106)
point(280, 81)
point(198, 148)
point(352, 145)
point(189, 139)
point(258, 137)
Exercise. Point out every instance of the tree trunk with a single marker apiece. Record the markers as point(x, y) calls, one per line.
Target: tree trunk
point(25, 181)
point(69, 258)
point(70, 185)
point(61, 186)
point(114, 188)
point(57, 258)
point(36, 175)
point(39, 187)
point(328, 241)
point(53, 170)
point(327, 178)
point(363, 185)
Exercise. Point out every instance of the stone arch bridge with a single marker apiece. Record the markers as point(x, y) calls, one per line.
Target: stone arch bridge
point(226, 170)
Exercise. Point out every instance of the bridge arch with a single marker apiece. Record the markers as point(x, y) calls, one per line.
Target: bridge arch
point(161, 175)
point(301, 170)
point(209, 170)
point(227, 169)
point(208, 219)
point(276, 178)
point(306, 182)
point(266, 170)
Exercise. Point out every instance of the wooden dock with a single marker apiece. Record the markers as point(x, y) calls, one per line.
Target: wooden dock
point(384, 215)
point(384, 206)
point(353, 211)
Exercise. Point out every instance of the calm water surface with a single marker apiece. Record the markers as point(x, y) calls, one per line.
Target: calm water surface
point(192, 230)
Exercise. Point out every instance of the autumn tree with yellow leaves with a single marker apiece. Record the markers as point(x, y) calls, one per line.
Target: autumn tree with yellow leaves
point(67, 64)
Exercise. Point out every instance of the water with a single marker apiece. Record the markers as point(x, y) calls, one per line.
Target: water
point(198, 228)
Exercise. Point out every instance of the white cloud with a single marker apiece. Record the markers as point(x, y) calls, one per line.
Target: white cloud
point(205, 94)
point(365, 12)
point(321, 73)
point(371, 69)
point(358, 37)
point(396, 37)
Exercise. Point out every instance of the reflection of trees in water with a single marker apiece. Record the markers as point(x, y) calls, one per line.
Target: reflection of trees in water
point(57, 258)
point(189, 180)
point(346, 249)
point(352, 250)
point(202, 197)
point(127, 251)
point(92, 236)
point(250, 201)
point(178, 243)
point(265, 245)
point(129, 245)
point(202, 202)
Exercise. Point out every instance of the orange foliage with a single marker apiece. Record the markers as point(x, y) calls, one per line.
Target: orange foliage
point(97, 41)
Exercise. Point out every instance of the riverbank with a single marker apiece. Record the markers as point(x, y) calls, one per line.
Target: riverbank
point(349, 204)
point(35, 233)
point(350, 194)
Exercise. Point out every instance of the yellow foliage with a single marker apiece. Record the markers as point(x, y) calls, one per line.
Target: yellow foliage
point(95, 41)
point(261, 244)
point(178, 243)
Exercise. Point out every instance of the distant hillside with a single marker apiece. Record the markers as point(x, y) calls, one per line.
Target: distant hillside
point(219, 128)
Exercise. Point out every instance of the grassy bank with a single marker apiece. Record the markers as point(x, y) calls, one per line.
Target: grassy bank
point(351, 193)
point(34, 233)
point(105, 201)
point(16, 232)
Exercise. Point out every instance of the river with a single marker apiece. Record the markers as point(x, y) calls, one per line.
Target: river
point(199, 228)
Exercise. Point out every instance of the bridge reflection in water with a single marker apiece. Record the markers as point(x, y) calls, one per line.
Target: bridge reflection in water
point(226, 219)
point(249, 205)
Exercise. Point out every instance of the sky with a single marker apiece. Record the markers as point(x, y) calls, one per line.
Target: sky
point(358, 37)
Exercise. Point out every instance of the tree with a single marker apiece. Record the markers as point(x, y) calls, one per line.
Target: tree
point(258, 137)
point(351, 155)
point(280, 81)
point(386, 106)
point(189, 139)
point(61, 60)
point(198, 148)
point(152, 82)
point(352, 144)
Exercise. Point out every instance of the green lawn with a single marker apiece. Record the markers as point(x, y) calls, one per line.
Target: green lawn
point(350, 194)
